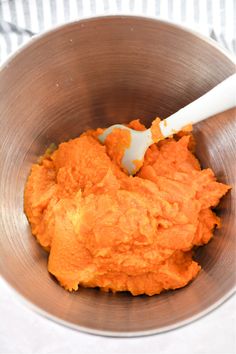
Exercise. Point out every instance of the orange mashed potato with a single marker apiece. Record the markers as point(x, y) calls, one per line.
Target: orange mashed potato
point(103, 228)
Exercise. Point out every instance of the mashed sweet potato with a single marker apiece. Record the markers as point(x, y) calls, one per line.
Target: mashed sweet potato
point(122, 233)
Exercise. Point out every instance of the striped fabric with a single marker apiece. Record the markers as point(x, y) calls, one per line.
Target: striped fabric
point(20, 19)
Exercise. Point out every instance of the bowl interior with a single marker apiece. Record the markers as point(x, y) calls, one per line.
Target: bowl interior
point(95, 73)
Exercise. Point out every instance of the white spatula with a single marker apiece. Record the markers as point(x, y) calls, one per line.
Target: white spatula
point(219, 99)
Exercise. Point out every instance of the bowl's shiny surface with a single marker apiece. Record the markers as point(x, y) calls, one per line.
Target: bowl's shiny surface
point(94, 73)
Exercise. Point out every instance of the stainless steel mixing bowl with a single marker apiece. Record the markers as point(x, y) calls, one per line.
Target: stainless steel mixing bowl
point(94, 73)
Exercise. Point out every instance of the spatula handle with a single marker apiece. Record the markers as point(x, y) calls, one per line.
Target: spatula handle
point(219, 99)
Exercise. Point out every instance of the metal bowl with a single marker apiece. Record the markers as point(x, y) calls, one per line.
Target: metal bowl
point(94, 73)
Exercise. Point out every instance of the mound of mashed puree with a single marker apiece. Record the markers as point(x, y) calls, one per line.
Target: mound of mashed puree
point(103, 228)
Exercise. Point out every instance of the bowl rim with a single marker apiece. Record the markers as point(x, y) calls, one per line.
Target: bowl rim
point(123, 16)
point(116, 334)
point(3, 66)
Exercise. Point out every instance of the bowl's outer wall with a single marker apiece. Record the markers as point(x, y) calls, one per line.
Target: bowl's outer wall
point(95, 73)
